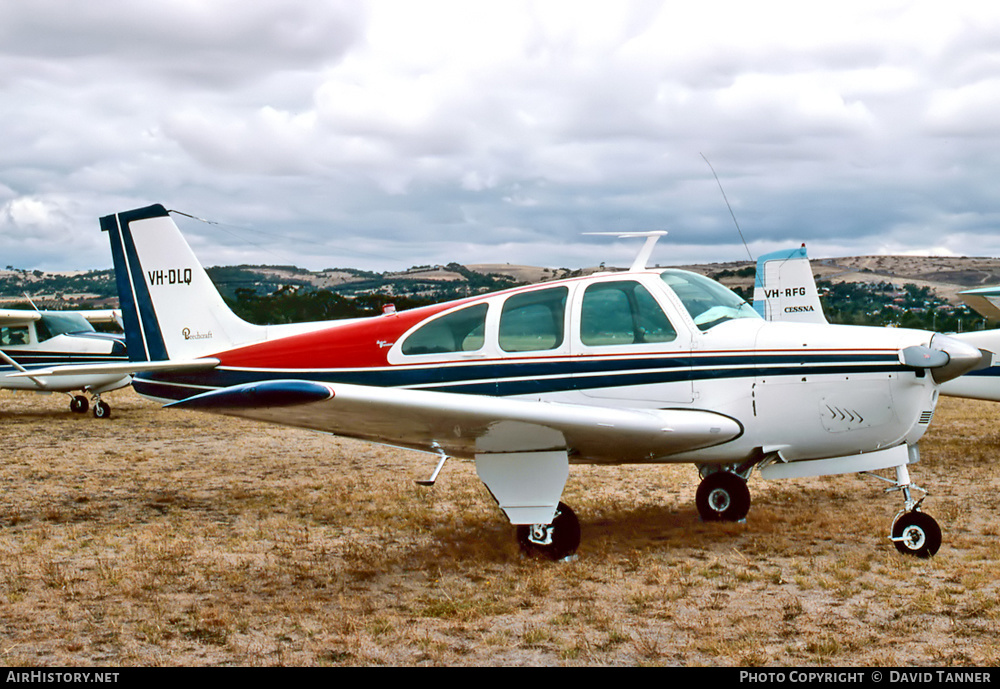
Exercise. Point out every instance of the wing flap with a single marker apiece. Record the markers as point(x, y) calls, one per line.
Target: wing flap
point(464, 425)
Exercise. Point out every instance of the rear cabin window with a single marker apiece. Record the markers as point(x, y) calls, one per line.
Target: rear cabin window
point(533, 321)
point(460, 331)
point(622, 313)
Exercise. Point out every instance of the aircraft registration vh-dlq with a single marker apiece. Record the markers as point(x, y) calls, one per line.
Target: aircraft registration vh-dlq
point(637, 366)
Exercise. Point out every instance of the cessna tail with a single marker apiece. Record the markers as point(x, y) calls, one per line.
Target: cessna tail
point(641, 366)
point(785, 290)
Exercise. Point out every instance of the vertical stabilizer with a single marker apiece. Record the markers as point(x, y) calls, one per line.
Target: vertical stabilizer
point(785, 289)
point(170, 307)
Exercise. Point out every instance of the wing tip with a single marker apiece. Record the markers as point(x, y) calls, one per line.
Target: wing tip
point(273, 393)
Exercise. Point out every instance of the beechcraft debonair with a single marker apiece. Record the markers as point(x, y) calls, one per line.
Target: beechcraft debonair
point(32, 341)
point(637, 366)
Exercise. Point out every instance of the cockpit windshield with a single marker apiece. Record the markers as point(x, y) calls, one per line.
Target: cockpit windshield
point(52, 324)
point(708, 302)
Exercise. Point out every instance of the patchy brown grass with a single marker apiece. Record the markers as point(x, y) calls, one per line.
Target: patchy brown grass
point(164, 537)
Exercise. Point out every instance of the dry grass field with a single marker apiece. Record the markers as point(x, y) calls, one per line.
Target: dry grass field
point(168, 538)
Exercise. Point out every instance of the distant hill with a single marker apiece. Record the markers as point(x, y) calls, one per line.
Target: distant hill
point(941, 278)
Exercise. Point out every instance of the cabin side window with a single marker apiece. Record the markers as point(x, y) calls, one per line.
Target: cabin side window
point(533, 321)
point(622, 313)
point(460, 331)
point(14, 335)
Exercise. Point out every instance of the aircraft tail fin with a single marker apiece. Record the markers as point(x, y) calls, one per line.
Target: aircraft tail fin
point(785, 289)
point(170, 307)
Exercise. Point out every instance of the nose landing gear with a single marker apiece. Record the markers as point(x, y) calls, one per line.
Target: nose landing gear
point(913, 532)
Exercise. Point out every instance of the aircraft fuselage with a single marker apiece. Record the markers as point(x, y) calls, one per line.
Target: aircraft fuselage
point(642, 340)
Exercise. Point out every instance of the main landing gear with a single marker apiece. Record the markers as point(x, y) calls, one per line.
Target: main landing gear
point(722, 496)
point(79, 405)
point(554, 541)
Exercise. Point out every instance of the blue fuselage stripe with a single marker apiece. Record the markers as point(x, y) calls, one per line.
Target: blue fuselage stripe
point(518, 378)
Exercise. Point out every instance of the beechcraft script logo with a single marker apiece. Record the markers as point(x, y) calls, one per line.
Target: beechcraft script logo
point(188, 335)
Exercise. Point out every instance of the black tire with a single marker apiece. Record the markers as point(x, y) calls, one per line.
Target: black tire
point(102, 411)
point(722, 497)
point(554, 541)
point(916, 533)
point(79, 404)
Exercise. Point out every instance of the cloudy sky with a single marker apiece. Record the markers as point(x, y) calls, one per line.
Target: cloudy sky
point(392, 133)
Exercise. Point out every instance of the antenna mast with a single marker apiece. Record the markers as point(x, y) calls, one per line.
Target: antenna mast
point(728, 206)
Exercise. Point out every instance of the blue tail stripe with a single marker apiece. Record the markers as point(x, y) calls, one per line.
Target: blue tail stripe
point(142, 331)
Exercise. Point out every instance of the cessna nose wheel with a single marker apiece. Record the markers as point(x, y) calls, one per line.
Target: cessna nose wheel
point(722, 496)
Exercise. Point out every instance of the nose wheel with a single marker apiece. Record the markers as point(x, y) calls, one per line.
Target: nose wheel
point(916, 533)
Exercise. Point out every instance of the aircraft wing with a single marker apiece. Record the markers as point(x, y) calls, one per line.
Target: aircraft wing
point(18, 316)
point(124, 368)
point(465, 425)
point(22, 316)
point(985, 301)
point(102, 315)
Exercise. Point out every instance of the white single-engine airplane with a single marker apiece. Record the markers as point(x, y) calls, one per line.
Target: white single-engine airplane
point(643, 366)
point(32, 341)
point(785, 290)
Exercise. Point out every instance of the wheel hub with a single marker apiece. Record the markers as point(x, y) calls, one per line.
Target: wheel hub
point(719, 500)
point(914, 537)
point(540, 534)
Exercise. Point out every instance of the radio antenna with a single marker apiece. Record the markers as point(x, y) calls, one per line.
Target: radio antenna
point(728, 206)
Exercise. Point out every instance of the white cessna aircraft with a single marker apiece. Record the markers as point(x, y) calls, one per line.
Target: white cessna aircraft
point(643, 366)
point(785, 290)
point(34, 340)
